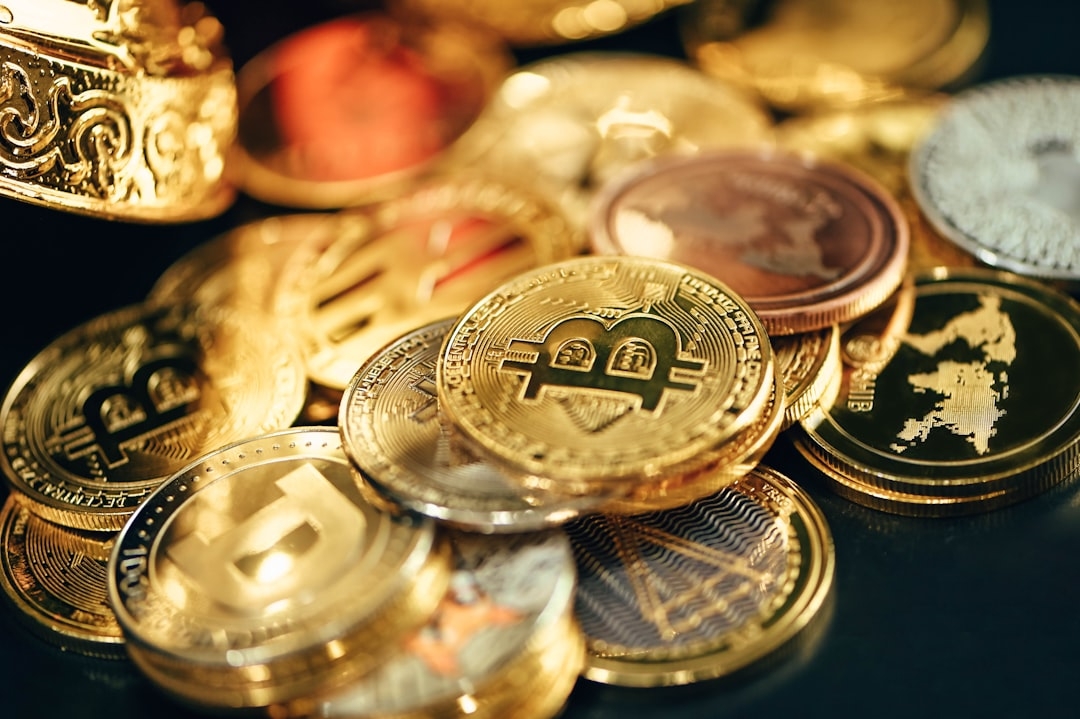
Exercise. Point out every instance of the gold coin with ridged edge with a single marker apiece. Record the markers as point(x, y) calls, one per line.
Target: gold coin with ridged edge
point(258, 574)
point(808, 363)
point(593, 374)
point(704, 590)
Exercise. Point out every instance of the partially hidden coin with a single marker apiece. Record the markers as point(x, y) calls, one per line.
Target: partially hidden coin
point(56, 580)
point(343, 112)
point(808, 242)
point(393, 431)
point(258, 574)
point(998, 174)
point(509, 605)
point(809, 366)
point(422, 256)
point(701, 591)
point(596, 374)
point(952, 415)
point(803, 55)
point(573, 122)
point(110, 408)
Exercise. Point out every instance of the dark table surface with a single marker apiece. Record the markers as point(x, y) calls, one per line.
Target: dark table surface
point(974, 616)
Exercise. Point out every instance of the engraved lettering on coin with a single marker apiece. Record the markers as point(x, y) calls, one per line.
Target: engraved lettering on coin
point(274, 552)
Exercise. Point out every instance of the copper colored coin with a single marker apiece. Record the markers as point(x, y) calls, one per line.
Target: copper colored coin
point(807, 242)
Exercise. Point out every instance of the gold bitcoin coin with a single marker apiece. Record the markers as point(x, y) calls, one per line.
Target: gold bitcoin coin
point(427, 255)
point(573, 122)
point(701, 591)
point(508, 607)
point(808, 54)
point(258, 574)
point(809, 365)
point(533, 23)
point(594, 374)
point(112, 407)
point(952, 416)
point(394, 433)
point(56, 580)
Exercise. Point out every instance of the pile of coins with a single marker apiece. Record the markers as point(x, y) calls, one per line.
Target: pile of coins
point(487, 410)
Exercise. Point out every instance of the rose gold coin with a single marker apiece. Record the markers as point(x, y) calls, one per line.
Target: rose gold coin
point(807, 242)
point(342, 112)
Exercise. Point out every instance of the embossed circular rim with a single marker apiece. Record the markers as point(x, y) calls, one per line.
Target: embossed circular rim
point(918, 172)
point(810, 379)
point(970, 480)
point(361, 432)
point(590, 477)
point(808, 527)
point(856, 292)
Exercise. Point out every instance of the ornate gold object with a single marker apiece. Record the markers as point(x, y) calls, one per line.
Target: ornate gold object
point(809, 365)
point(56, 579)
point(109, 409)
point(422, 256)
point(596, 374)
point(394, 433)
point(116, 108)
point(258, 574)
point(952, 416)
point(808, 54)
point(701, 591)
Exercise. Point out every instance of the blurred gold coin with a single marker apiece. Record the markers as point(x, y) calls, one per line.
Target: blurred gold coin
point(258, 574)
point(595, 374)
point(802, 55)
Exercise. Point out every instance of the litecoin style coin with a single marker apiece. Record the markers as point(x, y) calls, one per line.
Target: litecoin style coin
point(701, 591)
point(258, 574)
point(343, 112)
point(594, 374)
point(953, 416)
point(573, 122)
point(56, 579)
point(393, 432)
point(109, 409)
point(425, 255)
point(510, 601)
point(809, 365)
point(999, 175)
point(808, 54)
point(807, 242)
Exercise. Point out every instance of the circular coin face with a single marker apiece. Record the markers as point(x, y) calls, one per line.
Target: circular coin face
point(808, 243)
point(999, 174)
point(701, 591)
point(108, 410)
point(342, 112)
point(258, 573)
point(953, 415)
point(57, 579)
point(589, 374)
point(394, 433)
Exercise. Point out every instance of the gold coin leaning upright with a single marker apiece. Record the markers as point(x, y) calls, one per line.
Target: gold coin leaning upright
point(56, 578)
point(597, 373)
point(109, 409)
point(394, 433)
point(258, 574)
point(423, 256)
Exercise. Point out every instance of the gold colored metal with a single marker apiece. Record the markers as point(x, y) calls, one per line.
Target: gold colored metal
point(953, 416)
point(808, 364)
point(56, 579)
point(595, 374)
point(123, 110)
point(394, 433)
point(109, 409)
point(699, 592)
point(348, 111)
point(535, 23)
point(420, 257)
point(809, 54)
point(257, 574)
point(488, 647)
point(572, 122)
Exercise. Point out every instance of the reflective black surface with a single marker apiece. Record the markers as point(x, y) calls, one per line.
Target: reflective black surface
point(975, 616)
